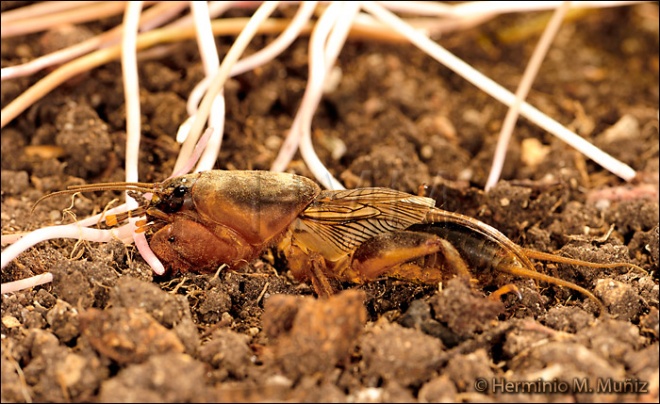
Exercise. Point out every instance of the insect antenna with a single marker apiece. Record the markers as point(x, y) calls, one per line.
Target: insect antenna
point(143, 187)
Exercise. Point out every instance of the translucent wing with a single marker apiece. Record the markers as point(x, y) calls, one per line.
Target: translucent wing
point(339, 221)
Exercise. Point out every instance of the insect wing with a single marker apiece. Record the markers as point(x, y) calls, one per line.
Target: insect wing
point(337, 222)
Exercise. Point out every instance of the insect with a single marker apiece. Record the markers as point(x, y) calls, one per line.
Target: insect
point(198, 222)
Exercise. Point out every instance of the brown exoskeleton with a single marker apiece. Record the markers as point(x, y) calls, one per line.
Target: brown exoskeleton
point(200, 221)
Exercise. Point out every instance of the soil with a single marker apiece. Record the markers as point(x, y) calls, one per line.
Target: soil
point(106, 329)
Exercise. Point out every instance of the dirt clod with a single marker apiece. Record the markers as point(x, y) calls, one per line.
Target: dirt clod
point(88, 154)
point(63, 321)
point(385, 343)
point(461, 369)
point(619, 298)
point(313, 335)
point(228, 352)
point(127, 335)
point(83, 284)
point(464, 310)
point(172, 377)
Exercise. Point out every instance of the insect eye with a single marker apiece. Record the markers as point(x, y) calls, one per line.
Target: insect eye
point(172, 199)
point(180, 191)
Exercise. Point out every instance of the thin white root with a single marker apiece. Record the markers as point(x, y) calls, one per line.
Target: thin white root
point(15, 286)
point(218, 82)
point(73, 230)
point(521, 93)
point(498, 92)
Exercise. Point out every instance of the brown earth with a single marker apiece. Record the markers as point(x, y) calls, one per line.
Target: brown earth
point(105, 330)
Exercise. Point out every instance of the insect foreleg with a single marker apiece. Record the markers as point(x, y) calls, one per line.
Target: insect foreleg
point(187, 244)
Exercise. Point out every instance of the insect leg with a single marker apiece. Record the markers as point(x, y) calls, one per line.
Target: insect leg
point(186, 244)
point(306, 265)
point(320, 280)
point(508, 288)
point(413, 256)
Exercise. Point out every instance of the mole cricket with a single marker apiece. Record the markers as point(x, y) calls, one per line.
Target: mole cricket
point(200, 221)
